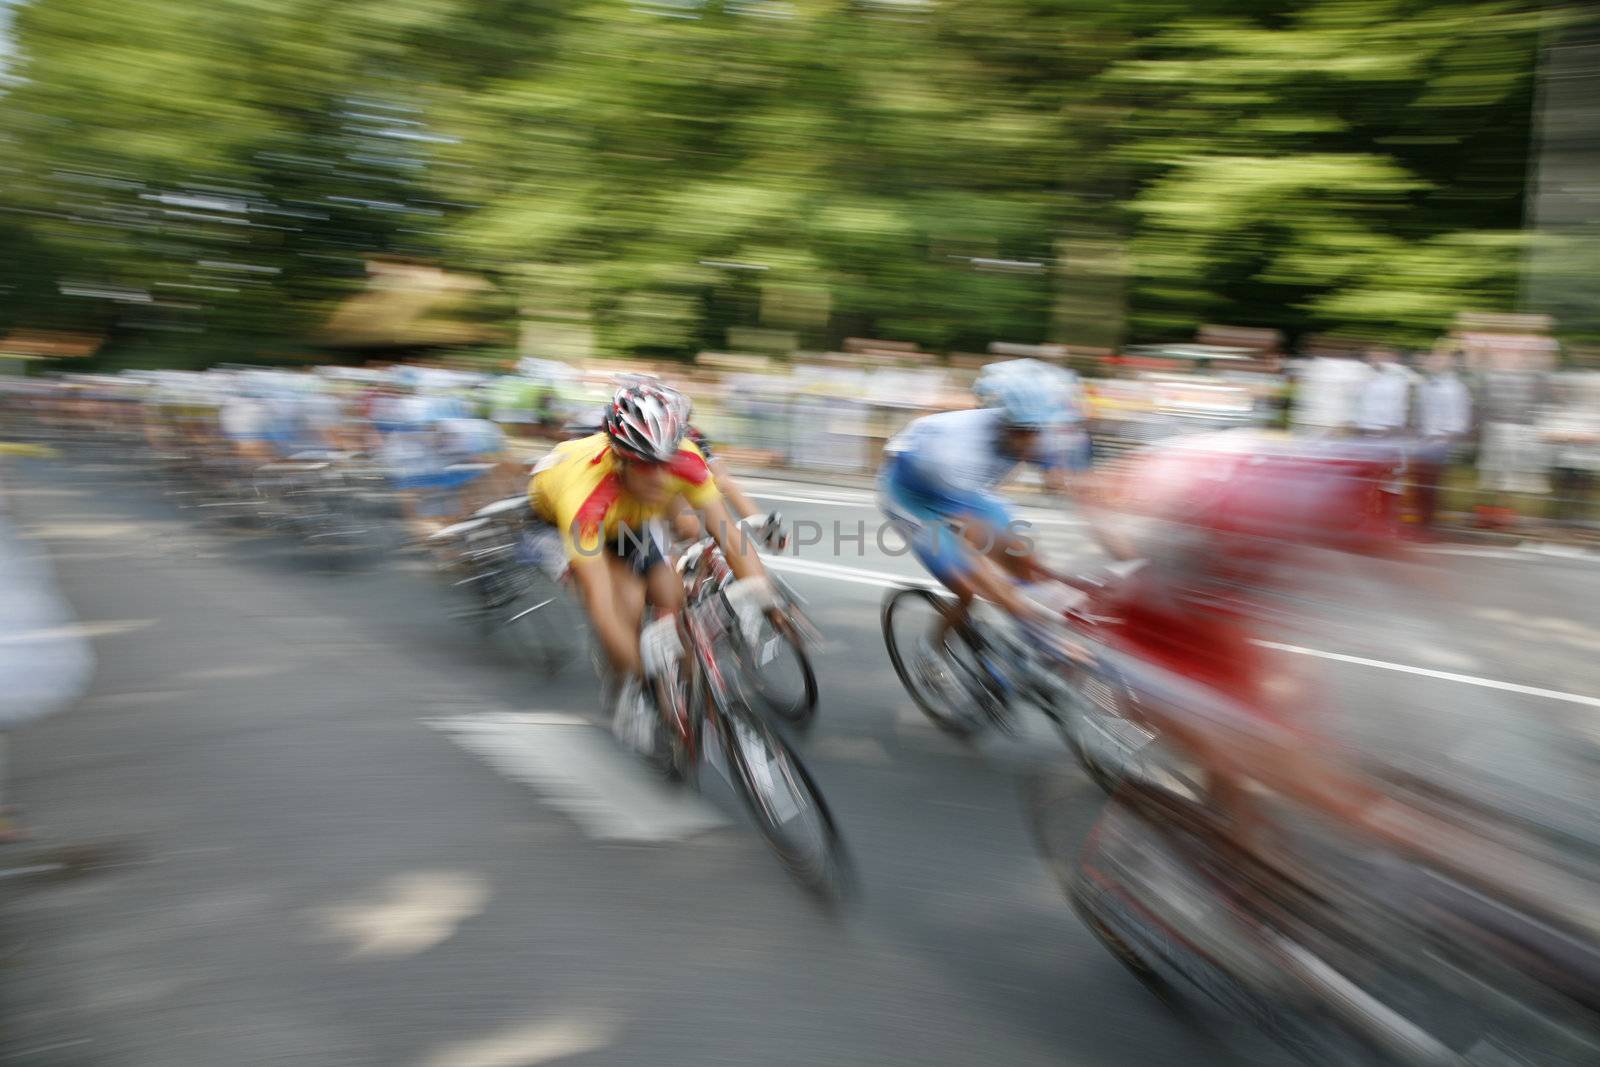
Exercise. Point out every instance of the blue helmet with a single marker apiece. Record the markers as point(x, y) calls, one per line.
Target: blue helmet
point(1031, 395)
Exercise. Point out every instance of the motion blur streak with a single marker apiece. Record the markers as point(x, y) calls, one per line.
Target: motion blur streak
point(1159, 443)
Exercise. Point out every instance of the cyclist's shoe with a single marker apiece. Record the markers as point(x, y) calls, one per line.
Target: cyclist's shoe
point(633, 716)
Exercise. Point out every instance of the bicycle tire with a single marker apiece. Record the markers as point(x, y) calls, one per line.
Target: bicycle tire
point(824, 870)
point(1105, 705)
point(800, 712)
point(959, 725)
point(538, 622)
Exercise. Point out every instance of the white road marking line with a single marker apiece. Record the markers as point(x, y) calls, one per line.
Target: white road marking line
point(1521, 551)
point(1471, 550)
point(869, 500)
point(580, 771)
point(839, 502)
point(839, 572)
point(1446, 676)
point(883, 580)
point(77, 631)
point(119, 531)
point(1544, 548)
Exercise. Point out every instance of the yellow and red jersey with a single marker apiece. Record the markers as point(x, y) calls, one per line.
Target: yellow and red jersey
point(578, 490)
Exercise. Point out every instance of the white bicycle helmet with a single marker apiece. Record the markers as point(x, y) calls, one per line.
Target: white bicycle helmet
point(1031, 395)
point(643, 424)
point(677, 399)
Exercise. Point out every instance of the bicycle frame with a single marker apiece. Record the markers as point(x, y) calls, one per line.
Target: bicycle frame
point(705, 572)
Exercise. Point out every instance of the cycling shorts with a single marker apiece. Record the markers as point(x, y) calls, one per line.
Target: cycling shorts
point(931, 516)
point(640, 550)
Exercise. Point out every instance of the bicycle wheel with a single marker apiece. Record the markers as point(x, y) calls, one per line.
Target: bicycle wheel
point(780, 671)
point(1102, 731)
point(945, 681)
point(782, 798)
point(537, 618)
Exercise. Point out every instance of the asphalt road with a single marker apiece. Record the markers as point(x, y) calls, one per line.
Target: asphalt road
point(335, 827)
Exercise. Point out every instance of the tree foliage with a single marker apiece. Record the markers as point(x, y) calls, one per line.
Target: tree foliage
point(655, 173)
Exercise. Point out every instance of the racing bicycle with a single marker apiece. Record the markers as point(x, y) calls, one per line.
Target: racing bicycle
point(695, 692)
point(988, 669)
point(513, 573)
point(772, 651)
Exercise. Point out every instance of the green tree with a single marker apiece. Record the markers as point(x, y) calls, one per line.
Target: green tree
point(1346, 165)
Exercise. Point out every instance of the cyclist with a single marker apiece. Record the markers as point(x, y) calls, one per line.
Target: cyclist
point(475, 452)
point(685, 526)
point(940, 475)
point(606, 494)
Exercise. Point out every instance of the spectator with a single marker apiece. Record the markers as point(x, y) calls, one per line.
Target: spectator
point(1572, 429)
point(1513, 458)
point(1444, 418)
point(1383, 404)
point(1325, 398)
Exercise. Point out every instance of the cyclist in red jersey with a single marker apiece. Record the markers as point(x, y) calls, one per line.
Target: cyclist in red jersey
point(1228, 520)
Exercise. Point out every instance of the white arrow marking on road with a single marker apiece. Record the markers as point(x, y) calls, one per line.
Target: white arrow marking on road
point(414, 913)
point(526, 1046)
point(579, 770)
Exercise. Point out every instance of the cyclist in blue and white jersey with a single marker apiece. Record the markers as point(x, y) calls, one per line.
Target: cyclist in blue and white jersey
point(941, 474)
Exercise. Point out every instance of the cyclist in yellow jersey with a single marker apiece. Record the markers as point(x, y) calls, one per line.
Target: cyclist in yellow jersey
point(606, 494)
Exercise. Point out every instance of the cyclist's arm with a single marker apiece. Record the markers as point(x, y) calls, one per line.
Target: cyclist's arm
point(736, 545)
point(686, 525)
point(1078, 487)
point(741, 504)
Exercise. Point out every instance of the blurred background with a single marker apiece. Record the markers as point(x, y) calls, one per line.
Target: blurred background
point(1149, 190)
point(284, 818)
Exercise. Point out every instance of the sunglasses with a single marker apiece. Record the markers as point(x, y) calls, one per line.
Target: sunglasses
point(646, 465)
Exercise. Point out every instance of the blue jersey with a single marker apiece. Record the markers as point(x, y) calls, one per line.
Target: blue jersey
point(960, 451)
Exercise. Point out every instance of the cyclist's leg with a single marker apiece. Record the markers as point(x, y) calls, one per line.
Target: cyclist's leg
point(628, 593)
point(990, 569)
point(663, 588)
point(1005, 565)
point(637, 573)
point(612, 596)
point(967, 542)
point(933, 539)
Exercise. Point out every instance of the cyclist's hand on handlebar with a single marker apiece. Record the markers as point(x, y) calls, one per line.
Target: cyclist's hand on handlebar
point(777, 536)
point(767, 529)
